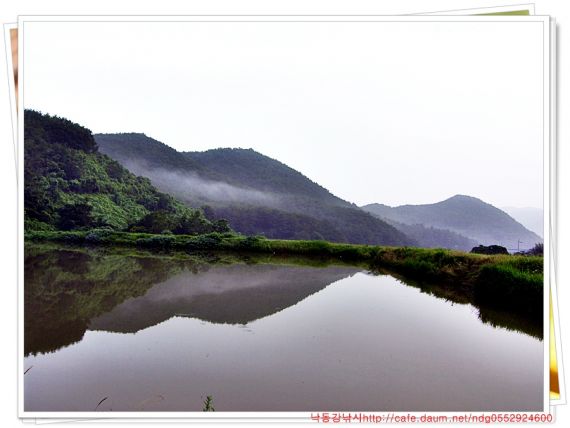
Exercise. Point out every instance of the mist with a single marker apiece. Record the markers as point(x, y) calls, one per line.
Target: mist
point(192, 188)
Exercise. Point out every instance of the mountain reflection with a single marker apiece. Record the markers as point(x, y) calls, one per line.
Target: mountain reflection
point(71, 290)
point(68, 291)
point(235, 294)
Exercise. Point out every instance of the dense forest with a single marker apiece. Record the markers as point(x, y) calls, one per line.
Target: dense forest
point(256, 194)
point(75, 180)
point(70, 185)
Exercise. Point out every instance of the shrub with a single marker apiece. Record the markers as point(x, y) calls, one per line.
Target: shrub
point(33, 224)
point(491, 249)
point(505, 286)
point(98, 236)
point(251, 242)
point(210, 241)
point(537, 250)
point(156, 241)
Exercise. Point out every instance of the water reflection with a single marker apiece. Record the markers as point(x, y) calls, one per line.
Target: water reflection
point(261, 334)
point(68, 291)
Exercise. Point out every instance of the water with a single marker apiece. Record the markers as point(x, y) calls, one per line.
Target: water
point(160, 334)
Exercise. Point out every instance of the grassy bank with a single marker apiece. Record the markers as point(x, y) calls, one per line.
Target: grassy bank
point(499, 281)
point(502, 281)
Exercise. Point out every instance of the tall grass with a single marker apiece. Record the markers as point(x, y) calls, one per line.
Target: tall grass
point(208, 404)
point(510, 282)
point(504, 285)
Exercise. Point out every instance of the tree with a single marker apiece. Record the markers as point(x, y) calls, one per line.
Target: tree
point(155, 222)
point(537, 250)
point(73, 216)
point(221, 226)
point(57, 130)
point(192, 223)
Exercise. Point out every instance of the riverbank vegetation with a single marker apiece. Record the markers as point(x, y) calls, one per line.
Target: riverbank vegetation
point(502, 281)
point(69, 285)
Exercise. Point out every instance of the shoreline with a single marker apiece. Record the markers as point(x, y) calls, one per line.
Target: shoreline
point(502, 281)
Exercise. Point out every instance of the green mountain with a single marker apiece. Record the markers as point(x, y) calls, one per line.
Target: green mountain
point(253, 170)
point(69, 184)
point(465, 215)
point(256, 194)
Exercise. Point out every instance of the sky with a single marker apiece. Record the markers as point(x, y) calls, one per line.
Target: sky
point(393, 112)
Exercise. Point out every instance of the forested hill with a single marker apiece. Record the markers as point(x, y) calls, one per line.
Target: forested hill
point(465, 215)
point(255, 170)
point(257, 194)
point(245, 169)
point(127, 147)
point(69, 184)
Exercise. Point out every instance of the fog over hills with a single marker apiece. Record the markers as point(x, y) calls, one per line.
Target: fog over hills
point(257, 194)
point(465, 215)
point(260, 195)
point(433, 237)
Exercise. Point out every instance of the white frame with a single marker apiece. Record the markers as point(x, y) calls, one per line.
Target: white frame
point(273, 416)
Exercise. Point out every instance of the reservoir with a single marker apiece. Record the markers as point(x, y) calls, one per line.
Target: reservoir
point(127, 331)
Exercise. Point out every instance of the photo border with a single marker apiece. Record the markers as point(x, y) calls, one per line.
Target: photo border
point(290, 416)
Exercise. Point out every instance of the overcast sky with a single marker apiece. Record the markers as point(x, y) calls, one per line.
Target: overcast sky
point(394, 113)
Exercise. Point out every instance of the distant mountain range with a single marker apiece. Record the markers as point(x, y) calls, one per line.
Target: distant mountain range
point(260, 195)
point(433, 237)
point(531, 218)
point(257, 194)
point(464, 215)
point(74, 179)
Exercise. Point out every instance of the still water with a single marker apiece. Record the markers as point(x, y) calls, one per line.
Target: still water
point(146, 333)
